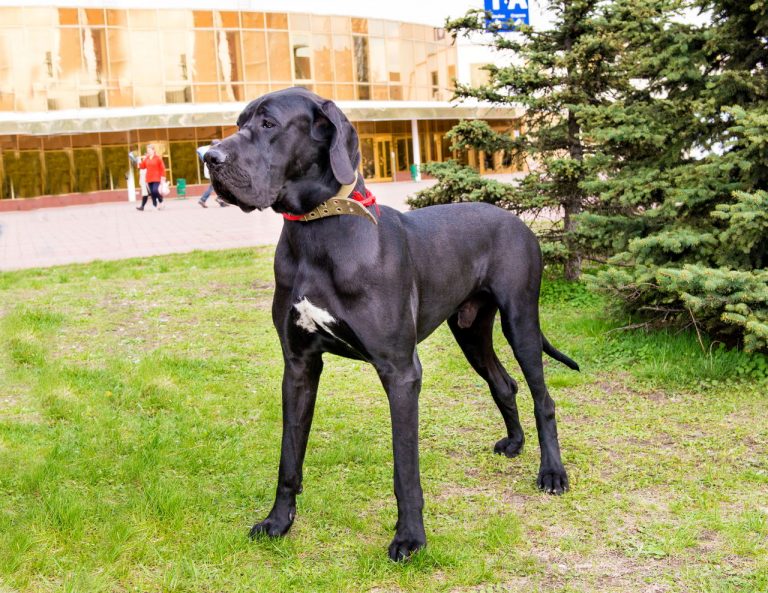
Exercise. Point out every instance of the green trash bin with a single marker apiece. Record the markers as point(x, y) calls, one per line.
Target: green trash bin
point(415, 172)
point(181, 187)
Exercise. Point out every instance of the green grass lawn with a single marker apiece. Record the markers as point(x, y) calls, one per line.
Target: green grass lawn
point(140, 431)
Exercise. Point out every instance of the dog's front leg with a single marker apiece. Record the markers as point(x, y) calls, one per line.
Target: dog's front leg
point(402, 383)
point(300, 379)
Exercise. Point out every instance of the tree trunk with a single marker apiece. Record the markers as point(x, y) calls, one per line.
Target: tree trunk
point(572, 269)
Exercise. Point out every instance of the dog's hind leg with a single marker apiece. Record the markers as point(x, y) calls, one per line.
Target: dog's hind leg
point(300, 380)
point(521, 328)
point(402, 382)
point(476, 341)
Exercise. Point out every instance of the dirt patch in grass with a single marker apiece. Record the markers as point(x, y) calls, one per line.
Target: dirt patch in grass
point(508, 585)
point(267, 286)
point(605, 570)
point(16, 406)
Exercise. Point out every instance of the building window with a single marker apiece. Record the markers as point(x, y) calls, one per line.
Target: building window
point(377, 60)
point(302, 58)
point(361, 67)
point(279, 54)
point(228, 50)
point(343, 62)
point(23, 174)
point(94, 48)
point(322, 58)
point(488, 160)
point(507, 159)
point(452, 76)
point(58, 172)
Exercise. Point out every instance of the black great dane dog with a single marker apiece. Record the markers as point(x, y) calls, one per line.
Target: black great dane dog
point(370, 284)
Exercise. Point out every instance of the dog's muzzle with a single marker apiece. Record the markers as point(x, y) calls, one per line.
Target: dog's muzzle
point(232, 184)
point(230, 176)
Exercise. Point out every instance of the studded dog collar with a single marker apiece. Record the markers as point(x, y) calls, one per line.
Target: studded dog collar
point(356, 205)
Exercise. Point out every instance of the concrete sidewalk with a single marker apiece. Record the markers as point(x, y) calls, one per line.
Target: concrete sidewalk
point(54, 236)
point(77, 234)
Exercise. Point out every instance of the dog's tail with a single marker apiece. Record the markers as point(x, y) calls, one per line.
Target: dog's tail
point(557, 355)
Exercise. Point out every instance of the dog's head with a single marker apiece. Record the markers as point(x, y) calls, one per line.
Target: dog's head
point(287, 142)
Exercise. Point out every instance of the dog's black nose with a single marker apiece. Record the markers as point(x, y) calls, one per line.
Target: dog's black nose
point(214, 156)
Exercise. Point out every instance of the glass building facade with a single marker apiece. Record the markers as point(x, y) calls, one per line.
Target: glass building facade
point(64, 61)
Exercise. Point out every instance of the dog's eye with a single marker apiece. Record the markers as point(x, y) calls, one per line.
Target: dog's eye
point(267, 124)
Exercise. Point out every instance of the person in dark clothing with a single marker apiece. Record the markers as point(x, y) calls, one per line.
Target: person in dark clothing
point(208, 190)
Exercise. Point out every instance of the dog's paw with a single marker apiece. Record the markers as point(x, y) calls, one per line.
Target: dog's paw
point(552, 481)
point(271, 527)
point(401, 548)
point(511, 447)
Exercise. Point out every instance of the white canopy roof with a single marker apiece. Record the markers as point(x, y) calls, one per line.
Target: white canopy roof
point(186, 115)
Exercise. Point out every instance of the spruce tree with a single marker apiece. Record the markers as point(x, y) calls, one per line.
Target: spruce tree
point(684, 176)
point(553, 72)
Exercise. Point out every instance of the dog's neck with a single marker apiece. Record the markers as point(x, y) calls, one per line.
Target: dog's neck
point(345, 190)
point(351, 199)
point(298, 196)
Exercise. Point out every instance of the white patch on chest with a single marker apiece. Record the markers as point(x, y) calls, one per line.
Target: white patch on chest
point(311, 318)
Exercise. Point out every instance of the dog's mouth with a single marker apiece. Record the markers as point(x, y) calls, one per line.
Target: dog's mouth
point(230, 177)
point(233, 186)
point(230, 199)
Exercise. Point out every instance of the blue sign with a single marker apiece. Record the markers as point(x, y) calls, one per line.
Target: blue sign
point(507, 14)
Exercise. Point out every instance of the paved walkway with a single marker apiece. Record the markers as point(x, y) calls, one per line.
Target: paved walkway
point(54, 236)
point(76, 234)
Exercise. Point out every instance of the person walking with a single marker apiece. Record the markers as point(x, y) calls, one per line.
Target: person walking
point(208, 190)
point(142, 177)
point(155, 168)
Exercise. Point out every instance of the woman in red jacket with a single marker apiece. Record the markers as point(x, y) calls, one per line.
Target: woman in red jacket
point(155, 167)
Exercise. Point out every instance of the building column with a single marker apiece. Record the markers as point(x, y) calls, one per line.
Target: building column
point(416, 148)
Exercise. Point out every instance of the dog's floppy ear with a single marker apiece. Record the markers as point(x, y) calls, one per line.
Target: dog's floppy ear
point(344, 150)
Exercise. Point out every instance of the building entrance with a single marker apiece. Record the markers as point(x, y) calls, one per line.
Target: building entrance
point(377, 157)
point(386, 157)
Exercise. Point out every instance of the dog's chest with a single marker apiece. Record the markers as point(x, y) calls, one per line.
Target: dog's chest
point(314, 325)
point(312, 318)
